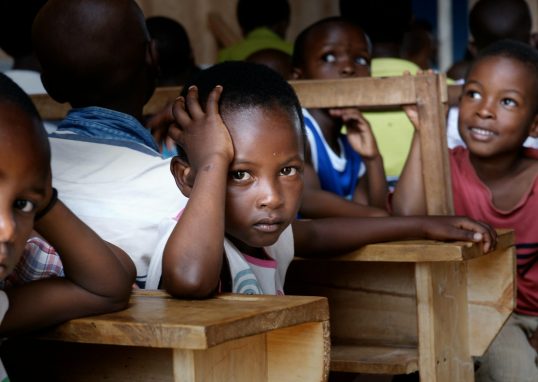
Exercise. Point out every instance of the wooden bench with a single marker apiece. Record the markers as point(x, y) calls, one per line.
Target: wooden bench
point(158, 338)
point(407, 306)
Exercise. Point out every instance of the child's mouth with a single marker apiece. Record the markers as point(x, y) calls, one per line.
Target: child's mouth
point(268, 225)
point(481, 134)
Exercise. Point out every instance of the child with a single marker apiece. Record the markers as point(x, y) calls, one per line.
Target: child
point(97, 55)
point(98, 276)
point(176, 58)
point(494, 179)
point(242, 169)
point(263, 25)
point(336, 48)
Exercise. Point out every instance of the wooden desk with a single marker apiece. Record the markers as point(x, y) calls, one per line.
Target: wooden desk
point(158, 338)
point(400, 307)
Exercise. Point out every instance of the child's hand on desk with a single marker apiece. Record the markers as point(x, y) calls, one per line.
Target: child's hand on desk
point(359, 132)
point(202, 135)
point(460, 228)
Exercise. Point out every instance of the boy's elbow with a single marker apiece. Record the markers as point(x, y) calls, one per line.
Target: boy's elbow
point(189, 287)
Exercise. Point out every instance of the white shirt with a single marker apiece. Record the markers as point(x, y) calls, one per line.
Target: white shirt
point(121, 193)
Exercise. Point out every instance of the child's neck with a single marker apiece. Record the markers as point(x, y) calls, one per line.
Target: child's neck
point(257, 252)
point(330, 127)
point(508, 177)
point(496, 167)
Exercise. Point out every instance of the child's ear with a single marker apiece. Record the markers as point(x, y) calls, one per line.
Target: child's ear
point(183, 174)
point(533, 131)
point(296, 74)
point(152, 54)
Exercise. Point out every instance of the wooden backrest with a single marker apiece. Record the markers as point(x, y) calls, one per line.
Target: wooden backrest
point(428, 92)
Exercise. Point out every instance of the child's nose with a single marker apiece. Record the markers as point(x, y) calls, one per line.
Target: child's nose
point(486, 109)
point(7, 225)
point(348, 68)
point(270, 195)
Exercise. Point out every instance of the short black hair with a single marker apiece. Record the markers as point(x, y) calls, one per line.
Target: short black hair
point(12, 93)
point(252, 14)
point(493, 20)
point(513, 49)
point(300, 42)
point(384, 21)
point(246, 85)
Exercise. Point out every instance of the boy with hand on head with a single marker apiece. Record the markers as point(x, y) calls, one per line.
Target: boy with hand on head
point(98, 56)
point(241, 132)
point(98, 275)
point(495, 179)
point(338, 166)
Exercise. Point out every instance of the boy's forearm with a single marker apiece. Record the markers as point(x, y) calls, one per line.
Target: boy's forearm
point(409, 198)
point(192, 258)
point(88, 260)
point(334, 236)
point(377, 182)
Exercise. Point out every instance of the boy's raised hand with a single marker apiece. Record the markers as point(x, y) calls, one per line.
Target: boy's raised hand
point(202, 135)
point(359, 132)
point(460, 228)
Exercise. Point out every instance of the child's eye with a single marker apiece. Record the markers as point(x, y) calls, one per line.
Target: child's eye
point(328, 57)
point(288, 171)
point(508, 102)
point(240, 175)
point(361, 61)
point(24, 205)
point(474, 94)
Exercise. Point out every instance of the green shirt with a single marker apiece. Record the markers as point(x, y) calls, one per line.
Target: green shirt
point(392, 129)
point(258, 39)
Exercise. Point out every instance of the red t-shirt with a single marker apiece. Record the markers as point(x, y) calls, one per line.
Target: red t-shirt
point(472, 198)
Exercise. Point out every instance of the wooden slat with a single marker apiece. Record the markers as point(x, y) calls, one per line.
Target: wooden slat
point(433, 147)
point(171, 323)
point(362, 92)
point(374, 359)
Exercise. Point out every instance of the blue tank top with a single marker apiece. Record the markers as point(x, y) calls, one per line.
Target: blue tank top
point(341, 183)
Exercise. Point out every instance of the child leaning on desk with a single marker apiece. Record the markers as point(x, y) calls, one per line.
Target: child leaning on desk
point(241, 132)
point(97, 275)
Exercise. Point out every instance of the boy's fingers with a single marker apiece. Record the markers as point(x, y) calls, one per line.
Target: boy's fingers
point(176, 134)
point(180, 113)
point(213, 100)
point(480, 231)
point(193, 105)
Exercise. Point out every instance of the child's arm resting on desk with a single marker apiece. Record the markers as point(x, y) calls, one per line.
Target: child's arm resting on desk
point(325, 237)
point(192, 258)
point(98, 277)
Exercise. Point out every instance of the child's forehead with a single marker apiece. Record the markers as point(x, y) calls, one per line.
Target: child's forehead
point(271, 118)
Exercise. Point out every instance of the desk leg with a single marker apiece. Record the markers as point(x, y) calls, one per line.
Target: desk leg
point(443, 322)
point(238, 360)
